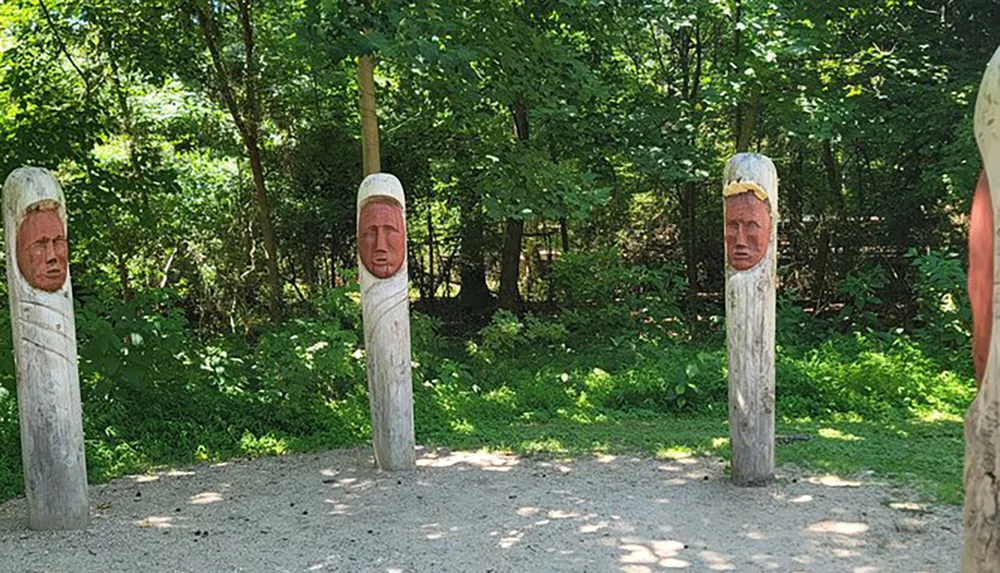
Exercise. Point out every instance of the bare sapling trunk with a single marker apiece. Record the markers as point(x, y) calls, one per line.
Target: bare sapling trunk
point(370, 158)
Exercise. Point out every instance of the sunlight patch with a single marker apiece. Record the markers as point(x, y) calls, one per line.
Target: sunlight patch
point(935, 416)
point(833, 434)
point(834, 481)
point(674, 453)
point(484, 460)
point(205, 498)
point(155, 522)
point(462, 426)
point(839, 527)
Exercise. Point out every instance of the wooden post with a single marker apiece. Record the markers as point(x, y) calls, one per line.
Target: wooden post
point(370, 158)
point(981, 553)
point(48, 383)
point(751, 215)
point(386, 317)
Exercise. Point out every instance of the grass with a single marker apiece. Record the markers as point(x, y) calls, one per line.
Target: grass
point(868, 403)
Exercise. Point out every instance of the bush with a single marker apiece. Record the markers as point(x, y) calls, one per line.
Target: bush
point(944, 314)
point(506, 334)
point(600, 293)
point(867, 375)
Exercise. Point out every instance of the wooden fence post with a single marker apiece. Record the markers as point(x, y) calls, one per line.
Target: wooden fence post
point(981, 553)
point(750, 196)
point(385, 308)
point(48, 382)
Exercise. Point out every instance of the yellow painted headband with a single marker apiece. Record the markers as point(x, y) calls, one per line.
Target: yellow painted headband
point(737, 187)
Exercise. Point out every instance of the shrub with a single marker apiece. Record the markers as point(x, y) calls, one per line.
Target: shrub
point(506, 334)
point(598, 292)
point(943, 311)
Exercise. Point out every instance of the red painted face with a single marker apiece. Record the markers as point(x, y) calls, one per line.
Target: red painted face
point(42, 250)
point(980, 279)
point(748, 230)
point(382, 237)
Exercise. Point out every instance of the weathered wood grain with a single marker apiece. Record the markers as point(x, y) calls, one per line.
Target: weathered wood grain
point(750, 308)
point(386, 319)
point(48, 384)
point(981, 552)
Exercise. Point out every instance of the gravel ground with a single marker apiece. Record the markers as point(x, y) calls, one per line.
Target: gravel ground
point(467, 511)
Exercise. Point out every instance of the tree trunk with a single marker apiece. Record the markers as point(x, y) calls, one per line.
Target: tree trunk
point(247, 122)
point(510, 262)
point(564, 234)
point(370, 157)
point(689, 230)
point(431, 287)
point(123, 277)
point(475, 294)
point(267, 230)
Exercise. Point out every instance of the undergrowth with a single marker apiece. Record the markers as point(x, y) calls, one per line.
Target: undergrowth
point(155, 393)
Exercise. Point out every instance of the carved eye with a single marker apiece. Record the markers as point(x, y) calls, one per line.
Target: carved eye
point(753, 226)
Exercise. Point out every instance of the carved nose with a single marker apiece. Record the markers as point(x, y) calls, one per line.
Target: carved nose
point(50, 252)
point(741, 238)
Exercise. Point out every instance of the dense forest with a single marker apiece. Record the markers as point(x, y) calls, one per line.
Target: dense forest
point(562, 161)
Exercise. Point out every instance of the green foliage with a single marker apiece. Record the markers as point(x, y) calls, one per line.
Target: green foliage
point(860, 292)
point(508, 335)
point(869, 375)
point(944, 312)
point(599, 292)
point(178, 364)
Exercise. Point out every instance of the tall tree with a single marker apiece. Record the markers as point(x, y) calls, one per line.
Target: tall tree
point(246, 116)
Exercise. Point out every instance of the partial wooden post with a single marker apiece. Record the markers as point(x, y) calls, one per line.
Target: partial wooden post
point(385, 310)
point(370, 158)
point(981, 553)
point(48, 383)
point(751, 215)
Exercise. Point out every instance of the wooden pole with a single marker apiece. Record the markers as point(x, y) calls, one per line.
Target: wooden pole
point(370, 158)
point(382, 269)
point(981, 552)
point(751, 214)
point(48, 383)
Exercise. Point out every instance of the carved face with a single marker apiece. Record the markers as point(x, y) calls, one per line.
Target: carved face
point(748, 230)
point(42, 250)
point(382, 237)
point(980, 278)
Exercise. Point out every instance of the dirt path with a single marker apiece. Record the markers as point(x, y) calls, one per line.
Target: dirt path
point(486, 513)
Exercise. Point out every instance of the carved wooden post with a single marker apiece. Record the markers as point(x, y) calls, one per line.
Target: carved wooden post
point(48, 383)
point(981, 553)
point(385, 310)
point(751, 214)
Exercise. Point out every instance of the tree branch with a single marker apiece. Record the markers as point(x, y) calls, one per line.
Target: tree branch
point(62, 46)
point(210, 34)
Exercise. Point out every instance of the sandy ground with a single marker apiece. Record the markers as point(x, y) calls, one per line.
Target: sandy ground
point(479, 512)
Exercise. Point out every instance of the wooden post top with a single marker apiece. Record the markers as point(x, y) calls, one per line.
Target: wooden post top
point(987, 125)
point(752, 172)
point(32, 199)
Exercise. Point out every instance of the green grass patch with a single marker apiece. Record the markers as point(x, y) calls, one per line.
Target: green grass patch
point(156, 395)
